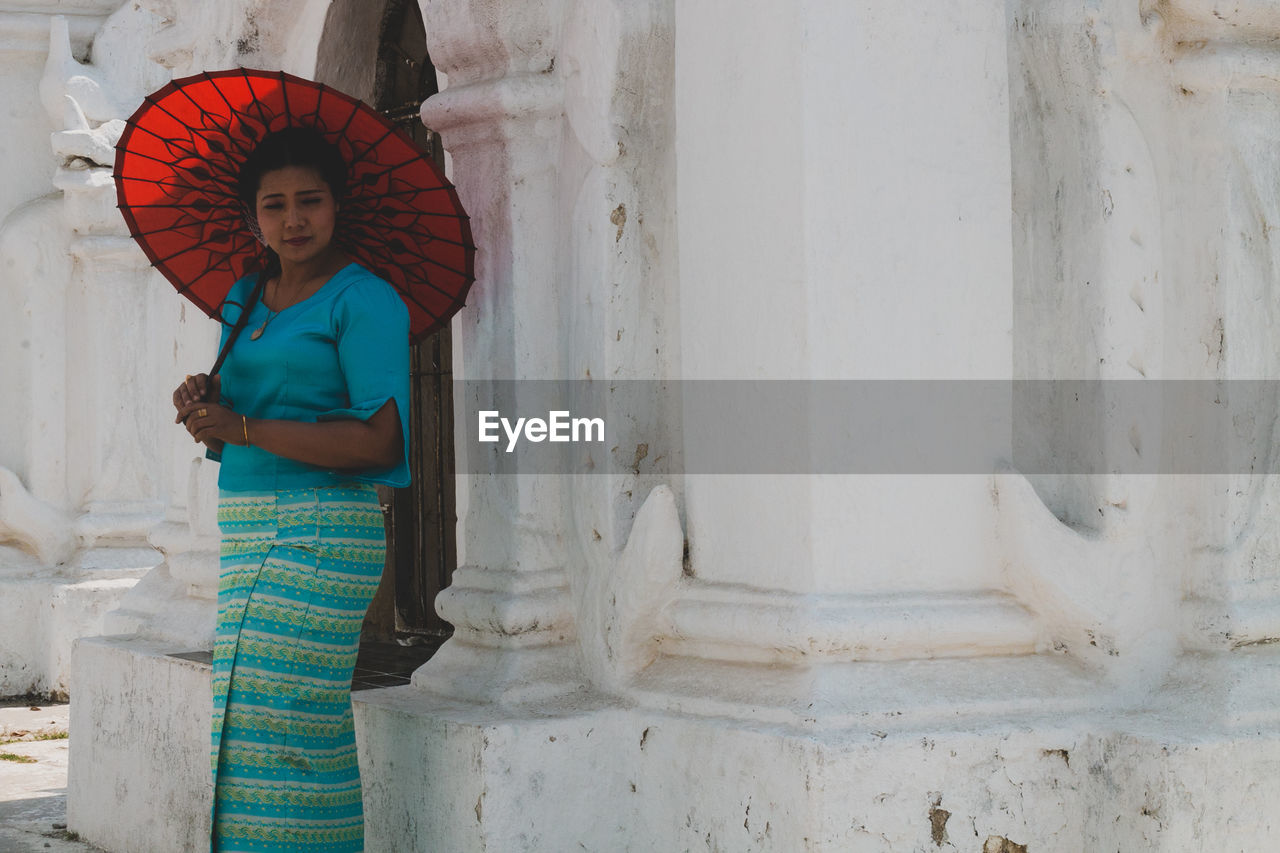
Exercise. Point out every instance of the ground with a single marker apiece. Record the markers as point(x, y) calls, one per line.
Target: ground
point(33, 779)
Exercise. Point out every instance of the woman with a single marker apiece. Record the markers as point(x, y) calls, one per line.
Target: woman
point(308, 411)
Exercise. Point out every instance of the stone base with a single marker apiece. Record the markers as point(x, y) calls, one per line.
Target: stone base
point(590, 774)
point(138, 778)
point(47, 609)
point(925, 755)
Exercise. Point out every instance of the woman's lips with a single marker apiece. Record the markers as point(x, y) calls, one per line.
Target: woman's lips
point(298, 241)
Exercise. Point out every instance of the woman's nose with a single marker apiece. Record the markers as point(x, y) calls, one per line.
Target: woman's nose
point(292, 215)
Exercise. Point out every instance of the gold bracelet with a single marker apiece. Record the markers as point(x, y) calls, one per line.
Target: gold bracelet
point(244, 422)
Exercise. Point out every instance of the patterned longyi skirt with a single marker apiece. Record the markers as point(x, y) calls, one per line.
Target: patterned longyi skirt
point(298, 571)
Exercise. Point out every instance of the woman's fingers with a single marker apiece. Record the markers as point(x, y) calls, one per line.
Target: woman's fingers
point(193, 410)
point(194, 389)
point(206, 421)
point(191, 406)
point(209, 426)
point(195, 386)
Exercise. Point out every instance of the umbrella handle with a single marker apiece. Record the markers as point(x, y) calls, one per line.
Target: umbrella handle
point(240, 322)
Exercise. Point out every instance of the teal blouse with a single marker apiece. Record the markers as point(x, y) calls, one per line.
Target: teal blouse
point(340, 353)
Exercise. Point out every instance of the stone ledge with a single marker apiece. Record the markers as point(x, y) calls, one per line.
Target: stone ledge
point(445, 775)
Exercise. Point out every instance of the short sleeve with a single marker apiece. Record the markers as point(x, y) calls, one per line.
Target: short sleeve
point(372, 338)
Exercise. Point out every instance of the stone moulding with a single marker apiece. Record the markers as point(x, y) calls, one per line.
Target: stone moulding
point(1215, 625)
point(1224, 67)
point(507, 608)
point(870, 698)
point(729, 622)
point(1253, 21)
point(478, 112)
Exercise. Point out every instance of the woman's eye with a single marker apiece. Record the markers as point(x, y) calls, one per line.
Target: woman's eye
point(273, 207)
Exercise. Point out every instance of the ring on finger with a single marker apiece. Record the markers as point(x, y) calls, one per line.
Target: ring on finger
point(202, 412)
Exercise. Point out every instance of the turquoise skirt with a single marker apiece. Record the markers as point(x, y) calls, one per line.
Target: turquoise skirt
point(298, 571)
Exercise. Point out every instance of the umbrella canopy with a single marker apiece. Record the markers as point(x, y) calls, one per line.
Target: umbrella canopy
point(179, 157)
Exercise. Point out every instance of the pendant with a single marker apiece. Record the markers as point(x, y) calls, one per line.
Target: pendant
point(257, 333)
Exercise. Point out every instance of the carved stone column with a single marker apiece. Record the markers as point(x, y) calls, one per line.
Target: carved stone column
point(1164, 200)
point(501, 119)
point(1087, 536)
point(859, 229)
point(1225, 74)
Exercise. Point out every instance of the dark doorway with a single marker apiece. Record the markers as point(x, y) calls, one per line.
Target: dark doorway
point(421, 519)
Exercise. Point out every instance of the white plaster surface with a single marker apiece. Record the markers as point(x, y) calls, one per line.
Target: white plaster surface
point(863, 232)
point(139, 777)
point(46, 612)
point(1049, 777)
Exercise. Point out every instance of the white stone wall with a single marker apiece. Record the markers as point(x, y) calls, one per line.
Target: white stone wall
point(1028, 190)
point(83, 330)
point(99, 487)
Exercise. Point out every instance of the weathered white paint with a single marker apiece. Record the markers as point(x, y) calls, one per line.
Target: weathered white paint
point(1037, 770)
point(1030, 190)
point(149, 718)
point(80, 489)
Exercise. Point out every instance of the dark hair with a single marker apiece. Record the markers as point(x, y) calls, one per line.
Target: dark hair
point(293, 146)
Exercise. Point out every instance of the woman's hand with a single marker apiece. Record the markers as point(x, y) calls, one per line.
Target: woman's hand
point(200, 388)
point(211, 423)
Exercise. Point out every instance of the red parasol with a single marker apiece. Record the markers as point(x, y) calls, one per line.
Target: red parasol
point(180, 154)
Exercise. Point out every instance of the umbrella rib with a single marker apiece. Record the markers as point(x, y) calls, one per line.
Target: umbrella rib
point(388, 130)
point(186, 206)
point(435, 239)
point(220, 194)
point(170, 228)
point(256, 102)
point(315, 114)
point(284, 93)
point(415, 157)
point(409, 192)
point(446, 240)
point(447, 268)
point(231, 111)
point(437, 288)
point(213, 269)
point(218, 179)
point(191, 134)
point(424, 259)
point(200, 108)
point(351, 116)
point(192, 222)
point(371, 198)
point(166, 140)
point(225, 255)
point(160, 105)
point(150, 157)
point(190, 286)
point(384, 216)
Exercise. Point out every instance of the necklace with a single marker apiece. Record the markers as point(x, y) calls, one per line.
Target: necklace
point(271, 315)
point(257, 333)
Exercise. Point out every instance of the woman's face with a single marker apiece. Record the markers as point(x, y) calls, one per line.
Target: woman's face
point(296, 212)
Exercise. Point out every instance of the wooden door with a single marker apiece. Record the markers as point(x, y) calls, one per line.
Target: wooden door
point(421, 552)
